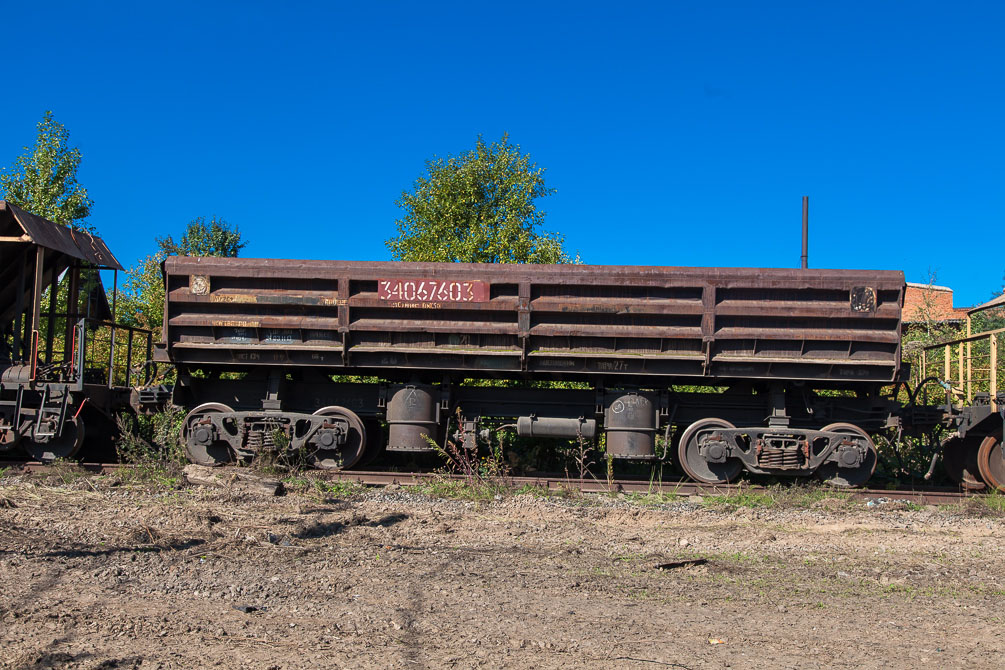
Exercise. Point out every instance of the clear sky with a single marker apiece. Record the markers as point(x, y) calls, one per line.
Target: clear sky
point(675, 133)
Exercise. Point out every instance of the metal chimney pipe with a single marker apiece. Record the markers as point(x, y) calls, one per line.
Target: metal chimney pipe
point(806, 231)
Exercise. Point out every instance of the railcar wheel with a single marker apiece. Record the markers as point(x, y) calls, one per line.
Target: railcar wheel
point(65, 446)
point(202, 445)
point(960, 461)
point(831, 474)
point(323, 451)
point(696, 465)
point(989, 462)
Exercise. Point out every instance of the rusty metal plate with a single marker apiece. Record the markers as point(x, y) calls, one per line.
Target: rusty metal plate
point(199, 284)
point(863, 299)
point(71, 242)
point(431, 291)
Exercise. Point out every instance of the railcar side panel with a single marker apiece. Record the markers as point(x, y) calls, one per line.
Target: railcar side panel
point(402, 320)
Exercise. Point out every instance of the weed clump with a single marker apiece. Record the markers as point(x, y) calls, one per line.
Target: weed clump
point(653, 499)
point(152, 446)
point(309, 485)
point(985, 505)
point(783, 497)
point(67, 474)
point(468, 475)
point(740, 498)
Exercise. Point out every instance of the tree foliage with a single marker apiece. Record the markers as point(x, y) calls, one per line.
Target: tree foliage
point(44, 180)
point(141, 301)
point(478, 207)
point(215, 238)
point(142, 298)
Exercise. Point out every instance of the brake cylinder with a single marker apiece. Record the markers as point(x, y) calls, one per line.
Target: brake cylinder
point(412, 419)
point(631, 422)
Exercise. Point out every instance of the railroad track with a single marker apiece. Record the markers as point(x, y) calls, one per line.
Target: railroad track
point(920, 495)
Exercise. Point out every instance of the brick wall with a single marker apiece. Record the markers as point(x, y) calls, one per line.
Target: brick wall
point(938, 298)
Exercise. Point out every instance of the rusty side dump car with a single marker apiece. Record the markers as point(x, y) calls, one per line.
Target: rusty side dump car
point(769, 370)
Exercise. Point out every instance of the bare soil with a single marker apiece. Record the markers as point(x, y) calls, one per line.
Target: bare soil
point(98, 576)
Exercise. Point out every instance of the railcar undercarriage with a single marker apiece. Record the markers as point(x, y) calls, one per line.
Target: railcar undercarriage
point(712, 436)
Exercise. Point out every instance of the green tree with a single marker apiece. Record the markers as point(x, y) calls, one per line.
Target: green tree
point(44, 180)
point(215, 238)
point(478, 207)
point(142, 296)
point(141, 300)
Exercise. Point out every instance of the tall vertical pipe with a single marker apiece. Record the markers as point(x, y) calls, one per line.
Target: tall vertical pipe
point(111, 353)
point(806, 231)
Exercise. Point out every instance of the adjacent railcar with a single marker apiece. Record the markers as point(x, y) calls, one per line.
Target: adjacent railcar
point(766, 370)
point(62, 363)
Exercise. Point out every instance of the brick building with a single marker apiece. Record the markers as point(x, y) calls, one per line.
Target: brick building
point(937, 300)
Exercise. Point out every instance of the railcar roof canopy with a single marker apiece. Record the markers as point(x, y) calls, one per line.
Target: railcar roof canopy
point(17, 223)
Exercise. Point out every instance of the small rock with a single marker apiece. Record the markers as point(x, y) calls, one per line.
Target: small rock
point(247, 609)
point(682, 542)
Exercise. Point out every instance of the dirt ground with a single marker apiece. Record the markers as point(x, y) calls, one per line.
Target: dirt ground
point(97, 576)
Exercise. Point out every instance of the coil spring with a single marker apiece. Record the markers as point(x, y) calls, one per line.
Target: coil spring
point(781, 459)
point(260, 436)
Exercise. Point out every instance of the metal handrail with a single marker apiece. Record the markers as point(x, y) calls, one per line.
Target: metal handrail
point(963, 340)
point(132, 331)
point(964, 381)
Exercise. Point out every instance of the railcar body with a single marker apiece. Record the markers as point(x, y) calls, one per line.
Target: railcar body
point(768, 370)
point(566, 322)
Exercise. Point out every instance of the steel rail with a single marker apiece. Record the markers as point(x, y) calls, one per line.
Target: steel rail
point(558, 482)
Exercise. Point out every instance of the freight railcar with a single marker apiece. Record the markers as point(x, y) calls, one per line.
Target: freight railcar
point(773, 371)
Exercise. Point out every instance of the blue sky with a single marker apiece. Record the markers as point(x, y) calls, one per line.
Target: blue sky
point(675, 133)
